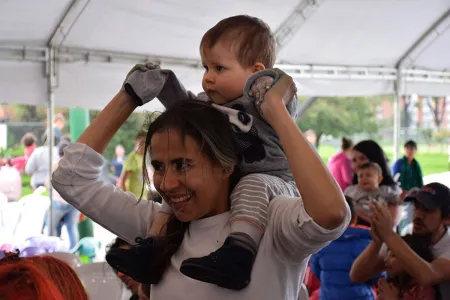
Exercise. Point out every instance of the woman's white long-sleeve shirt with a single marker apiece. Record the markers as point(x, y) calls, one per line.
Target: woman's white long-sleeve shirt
point(291, 235)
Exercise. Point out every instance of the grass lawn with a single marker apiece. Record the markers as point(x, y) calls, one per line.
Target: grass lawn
point(26, 189)
point(430, 162)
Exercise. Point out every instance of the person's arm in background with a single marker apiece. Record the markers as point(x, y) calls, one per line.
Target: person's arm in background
point(370, 262)
point(396, 168)
point(420, 175)
point(357, 250)
point(123, 178)
point(31, 165)
point(426, 273)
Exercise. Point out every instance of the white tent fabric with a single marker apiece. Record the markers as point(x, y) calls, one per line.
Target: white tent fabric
point(325, 33)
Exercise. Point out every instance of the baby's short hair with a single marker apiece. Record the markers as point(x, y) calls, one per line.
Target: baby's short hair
point(373, 166)
point(255, 41)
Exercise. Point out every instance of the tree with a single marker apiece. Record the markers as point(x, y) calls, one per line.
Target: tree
point(437, 106)
point(405, 115)
point(427, 135)
point(338, 116)
point(28, 113)
point(127, 132)
point(441, 136)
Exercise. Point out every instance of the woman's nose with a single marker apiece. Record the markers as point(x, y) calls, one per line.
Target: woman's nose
point(170, 182)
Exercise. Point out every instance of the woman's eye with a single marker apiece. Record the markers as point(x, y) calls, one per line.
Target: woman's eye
point(181, 166)
point(158, 168)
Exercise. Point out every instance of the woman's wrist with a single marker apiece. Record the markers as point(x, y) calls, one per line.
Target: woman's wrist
point(126, 98)
point(276, 113)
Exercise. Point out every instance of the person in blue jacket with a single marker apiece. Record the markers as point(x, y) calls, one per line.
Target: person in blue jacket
point(332, 264)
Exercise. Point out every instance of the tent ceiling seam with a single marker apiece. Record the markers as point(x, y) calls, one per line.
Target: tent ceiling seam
point(297, 18)
point(65, 22)
point(419, 43)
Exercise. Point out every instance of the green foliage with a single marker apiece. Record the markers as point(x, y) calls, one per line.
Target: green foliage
point(12, 152)
point(441, 136)
point(127, 132)
point(427, 134)
point(28, 113)
point(337, 116)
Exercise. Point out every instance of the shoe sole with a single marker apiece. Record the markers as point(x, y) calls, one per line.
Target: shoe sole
point(210, 276)
point(117, 263)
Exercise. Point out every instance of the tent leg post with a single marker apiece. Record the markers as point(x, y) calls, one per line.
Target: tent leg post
point(50, 132)
point(397, 95)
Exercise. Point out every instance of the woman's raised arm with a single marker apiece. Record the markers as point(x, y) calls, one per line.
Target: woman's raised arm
point(77, 178)
point(322, 197)
point(100, 132)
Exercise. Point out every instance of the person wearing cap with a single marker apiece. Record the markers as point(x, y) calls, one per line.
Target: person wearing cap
point(431, 212)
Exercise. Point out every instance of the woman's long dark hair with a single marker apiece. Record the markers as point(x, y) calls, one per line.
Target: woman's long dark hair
point(421, 245)
point(375, 154)
point(212, 131)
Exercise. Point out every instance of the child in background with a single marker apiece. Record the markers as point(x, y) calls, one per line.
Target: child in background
point(29, 143)
point(367, 189)
point(332, 264)
point(132, 179)
point(400, 285)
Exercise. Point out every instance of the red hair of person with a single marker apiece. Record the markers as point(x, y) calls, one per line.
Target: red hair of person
point(64, 277)
point(21, 279)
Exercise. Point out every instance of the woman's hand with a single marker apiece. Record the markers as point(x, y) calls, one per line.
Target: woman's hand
point(386, 290)
point(277, 97)
point(381, 220)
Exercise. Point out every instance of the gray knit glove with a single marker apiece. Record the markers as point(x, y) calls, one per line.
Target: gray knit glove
point(144, 82)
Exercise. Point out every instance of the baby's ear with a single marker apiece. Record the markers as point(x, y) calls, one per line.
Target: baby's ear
point(380, 179)
point(258, 67)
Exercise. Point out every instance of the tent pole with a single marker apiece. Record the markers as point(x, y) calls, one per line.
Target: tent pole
point(397, 95)
point(50, 132)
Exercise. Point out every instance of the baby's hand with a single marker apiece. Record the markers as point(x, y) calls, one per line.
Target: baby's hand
point(260, 87)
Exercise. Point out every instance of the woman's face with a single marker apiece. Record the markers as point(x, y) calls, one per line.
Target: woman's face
point(392, 265)
point(187, 180)
point(358, 159)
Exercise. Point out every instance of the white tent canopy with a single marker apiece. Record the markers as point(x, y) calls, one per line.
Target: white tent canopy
point(333, 47)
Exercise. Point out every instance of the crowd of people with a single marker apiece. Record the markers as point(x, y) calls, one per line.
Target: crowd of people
point(370, 260)
point(248, 205)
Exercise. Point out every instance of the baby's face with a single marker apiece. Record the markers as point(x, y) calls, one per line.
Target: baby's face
point(224, 78)
point(368, 179)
